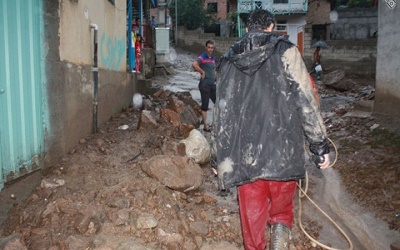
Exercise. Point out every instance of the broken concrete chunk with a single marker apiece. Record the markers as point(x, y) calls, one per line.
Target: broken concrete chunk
point(52, 183)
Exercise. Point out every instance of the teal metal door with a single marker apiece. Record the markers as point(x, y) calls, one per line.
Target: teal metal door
point(21, 84)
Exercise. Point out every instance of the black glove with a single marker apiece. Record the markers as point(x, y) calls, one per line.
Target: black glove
point(318, 150)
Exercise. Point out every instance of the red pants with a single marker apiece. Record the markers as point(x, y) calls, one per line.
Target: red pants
point(263, 202)
point(137, 68)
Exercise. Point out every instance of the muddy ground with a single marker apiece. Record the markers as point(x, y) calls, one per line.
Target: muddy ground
point(100, 192)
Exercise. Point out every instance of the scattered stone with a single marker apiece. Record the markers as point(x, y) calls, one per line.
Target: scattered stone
point(395, 245)
point(77, 242)
point(50, 208)
point(169, 238)
point(358, 114)
point(82, 223)
point(147, 121)
point(123, 214)
point(198, 241)
point(209, 199)
point(123, 127)
point(82, 141)
point(189, 245)
point(374, 126)
point(223, 245)
point(199, 228)
point(118, 203)
point(146, 222)
point(364, 105)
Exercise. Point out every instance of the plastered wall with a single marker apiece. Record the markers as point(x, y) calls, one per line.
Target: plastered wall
point(387, 98)
point(68, 61)
point(76, 36)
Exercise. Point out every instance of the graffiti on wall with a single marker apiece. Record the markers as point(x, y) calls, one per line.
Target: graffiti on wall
point(112, 52)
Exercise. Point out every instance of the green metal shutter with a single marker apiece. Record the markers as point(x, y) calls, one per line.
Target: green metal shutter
point(21, 85)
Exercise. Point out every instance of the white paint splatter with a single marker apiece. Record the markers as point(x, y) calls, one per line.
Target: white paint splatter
point(226, 166)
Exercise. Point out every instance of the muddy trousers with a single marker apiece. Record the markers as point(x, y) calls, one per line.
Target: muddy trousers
point(263, 202)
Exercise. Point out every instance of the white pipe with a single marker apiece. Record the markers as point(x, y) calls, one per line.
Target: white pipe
point(94, 26)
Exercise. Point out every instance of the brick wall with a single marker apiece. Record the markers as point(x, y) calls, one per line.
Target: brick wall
point(356, 57)
point(194, 41)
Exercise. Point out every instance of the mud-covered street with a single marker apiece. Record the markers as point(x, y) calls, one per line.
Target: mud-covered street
point(108, 193)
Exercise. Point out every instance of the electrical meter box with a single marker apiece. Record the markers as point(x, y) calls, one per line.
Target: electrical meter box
point(162, 45)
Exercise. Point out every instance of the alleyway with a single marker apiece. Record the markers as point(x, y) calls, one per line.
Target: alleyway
point(99, 197)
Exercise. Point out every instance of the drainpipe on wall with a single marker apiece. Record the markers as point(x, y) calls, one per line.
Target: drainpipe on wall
point(95, 71)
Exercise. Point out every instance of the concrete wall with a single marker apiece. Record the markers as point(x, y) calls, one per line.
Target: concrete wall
point(355, 24)
point(68, 63)
point(387, 98)
point(356, 57)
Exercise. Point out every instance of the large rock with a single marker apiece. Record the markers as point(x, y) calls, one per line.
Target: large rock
point(186, 112)
point(176, 105)
point(345, 85)
point(188, 116)
point(171, 117)
point(173, 148)
point(147, 120)
point(197, 147)
point(334, 77)
point(178, 173)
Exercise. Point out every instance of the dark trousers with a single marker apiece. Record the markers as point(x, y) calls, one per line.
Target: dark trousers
point(207, 92)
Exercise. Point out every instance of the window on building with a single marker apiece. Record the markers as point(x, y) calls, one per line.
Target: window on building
point(319, 32)
point(281, 26)
point(281, 1)
point(212, 7)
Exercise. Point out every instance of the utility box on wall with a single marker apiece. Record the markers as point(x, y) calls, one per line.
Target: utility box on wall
point(162, 45)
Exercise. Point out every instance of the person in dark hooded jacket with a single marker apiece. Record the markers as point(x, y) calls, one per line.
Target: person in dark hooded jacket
point(265, 112)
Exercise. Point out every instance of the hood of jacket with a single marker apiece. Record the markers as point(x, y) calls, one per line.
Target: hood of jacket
point(249, 53)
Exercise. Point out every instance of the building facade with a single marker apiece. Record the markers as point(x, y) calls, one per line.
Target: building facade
point(63, 72)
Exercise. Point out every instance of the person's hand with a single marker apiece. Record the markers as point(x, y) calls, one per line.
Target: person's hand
point(203, 75)
point(326, 163)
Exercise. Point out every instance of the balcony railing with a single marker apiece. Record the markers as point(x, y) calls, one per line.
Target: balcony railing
point(291, 7)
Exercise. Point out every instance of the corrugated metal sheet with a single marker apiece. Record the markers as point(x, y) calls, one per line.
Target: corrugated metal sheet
point(21, 102)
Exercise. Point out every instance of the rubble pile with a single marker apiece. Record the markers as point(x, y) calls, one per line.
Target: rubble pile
point(144, 181)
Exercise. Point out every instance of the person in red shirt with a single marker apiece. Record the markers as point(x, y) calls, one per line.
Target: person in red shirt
point(138, 51)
